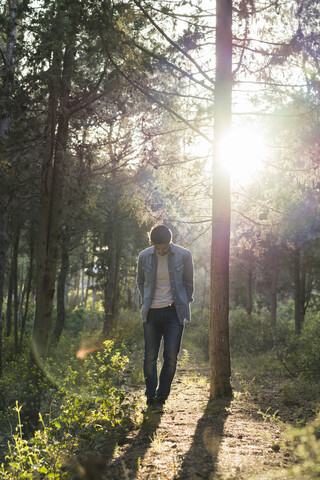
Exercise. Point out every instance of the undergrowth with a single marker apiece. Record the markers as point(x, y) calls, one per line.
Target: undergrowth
point(83, 402)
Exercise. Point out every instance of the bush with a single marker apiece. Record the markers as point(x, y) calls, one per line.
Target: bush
point(307, 441)
point(89, 371)
point(250, 333)
point(128, 329)
point(300, 354)
point(87, 404)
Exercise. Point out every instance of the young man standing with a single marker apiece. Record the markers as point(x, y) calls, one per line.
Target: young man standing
point(165, 282)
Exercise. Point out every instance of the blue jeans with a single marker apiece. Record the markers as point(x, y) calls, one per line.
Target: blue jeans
point(161, 322)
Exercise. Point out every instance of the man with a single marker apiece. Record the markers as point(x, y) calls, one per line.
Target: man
point(165, 282)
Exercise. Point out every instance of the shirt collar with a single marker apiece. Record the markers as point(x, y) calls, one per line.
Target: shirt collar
point(171, 249)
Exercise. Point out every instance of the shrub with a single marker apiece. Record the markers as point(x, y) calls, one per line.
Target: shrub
point(128, 329)
point(307, 441)
point(250, 333)
point(87, 404)
point(300, 354)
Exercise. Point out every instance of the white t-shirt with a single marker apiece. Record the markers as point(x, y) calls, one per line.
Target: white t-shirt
point(163, 294)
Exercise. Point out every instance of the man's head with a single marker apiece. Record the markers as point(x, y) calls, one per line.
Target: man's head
point(161, 237)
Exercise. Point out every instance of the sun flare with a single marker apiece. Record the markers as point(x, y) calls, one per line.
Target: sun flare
point(242, 152)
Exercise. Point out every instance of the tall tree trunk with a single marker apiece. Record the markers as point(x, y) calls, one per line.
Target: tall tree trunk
point(111, 291)
point(5, 118)
point(61, 286)
point(15, 287)
point(8, 70)
point(303, 291)
point(250, 287)
point(297, 292)
point(273, 287)
point(50, 211)
point(3, 254)
point(28, 287)
point(9, 302)
point(87, 290)
point(219, 322)
point(77, 285)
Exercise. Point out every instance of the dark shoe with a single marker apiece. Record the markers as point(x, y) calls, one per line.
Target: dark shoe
point(160, 402)
point(151, 401)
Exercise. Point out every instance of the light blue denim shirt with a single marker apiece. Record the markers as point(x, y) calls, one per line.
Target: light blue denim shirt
point(180, 267)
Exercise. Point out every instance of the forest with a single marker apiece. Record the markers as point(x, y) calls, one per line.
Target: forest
point(119, 115)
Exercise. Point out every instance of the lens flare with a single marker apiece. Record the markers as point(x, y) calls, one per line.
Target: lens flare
point(242, 151)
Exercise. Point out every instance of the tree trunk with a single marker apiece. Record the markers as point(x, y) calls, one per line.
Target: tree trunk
point(15, 288)
point(8, 71)
point(249, 288)
point(28, 288)
point(3, 255)
point(9, 303)
point(5, 97)
point(111, 290)
point(219, 326)
point(87, 291)
point(273, 289)
point(60, 321)
point(77, 285)
point(50, 210)
point(303, 291)
point(297, 292)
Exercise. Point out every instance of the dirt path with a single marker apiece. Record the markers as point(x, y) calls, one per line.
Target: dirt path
point(196, 439)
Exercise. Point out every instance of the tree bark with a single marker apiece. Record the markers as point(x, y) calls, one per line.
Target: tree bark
point(5, 97)
point(303, 291)
point(51, 206)
point(61, 286)
point(219, 326)
point(15, 287)
point(297, 292)
point(273, 285)
point(28, 287)
point(9, 303)
point(249, 288)
point(111, 290)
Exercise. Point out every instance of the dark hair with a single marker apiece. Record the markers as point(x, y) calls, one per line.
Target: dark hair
point(160, 234)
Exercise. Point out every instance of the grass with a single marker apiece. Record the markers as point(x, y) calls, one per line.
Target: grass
point(157, 441)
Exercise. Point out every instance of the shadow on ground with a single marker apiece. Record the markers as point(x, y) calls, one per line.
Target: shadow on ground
point(200, 462)
point(128, 464)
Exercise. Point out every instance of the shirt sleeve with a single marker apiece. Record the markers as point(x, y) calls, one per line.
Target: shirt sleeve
point(188, 276)
point(140, 278)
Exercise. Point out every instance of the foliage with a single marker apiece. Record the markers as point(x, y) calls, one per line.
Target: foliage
point(128, 329)
point(88, 403)
point(307, 441)
point(300, 354)
point(250, 333)
point(33, 459)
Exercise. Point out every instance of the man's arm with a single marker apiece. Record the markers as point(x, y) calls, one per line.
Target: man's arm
point(140, 278)
point(188, 276)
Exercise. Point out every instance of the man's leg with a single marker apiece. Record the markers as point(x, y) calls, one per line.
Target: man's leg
point(152, 339)
point(172, 334)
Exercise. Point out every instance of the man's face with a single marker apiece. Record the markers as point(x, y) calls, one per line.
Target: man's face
point(162, 248)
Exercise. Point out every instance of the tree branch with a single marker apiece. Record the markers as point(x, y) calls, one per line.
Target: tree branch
point(158, 102)
point(173, 43)
point(169, 64)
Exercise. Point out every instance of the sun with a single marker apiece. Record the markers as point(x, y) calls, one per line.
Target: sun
point(243, 151)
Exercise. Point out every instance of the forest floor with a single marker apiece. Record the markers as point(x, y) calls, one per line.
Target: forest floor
point(194, 438)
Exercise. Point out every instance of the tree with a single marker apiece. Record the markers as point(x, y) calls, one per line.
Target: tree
point(219, 327)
